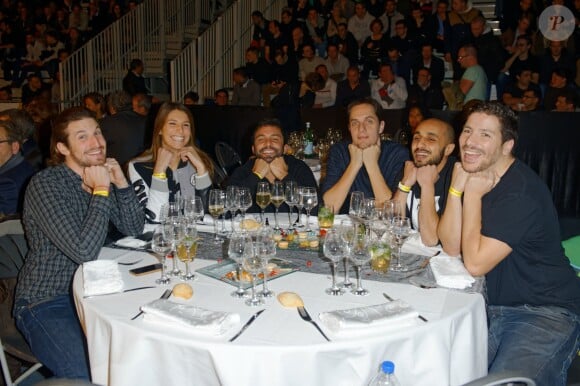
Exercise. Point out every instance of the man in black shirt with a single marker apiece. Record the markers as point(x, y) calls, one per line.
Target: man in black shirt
point(424, 92)
point(269, 162)
point(352, 88)
point(500, 214)
point(427, 178)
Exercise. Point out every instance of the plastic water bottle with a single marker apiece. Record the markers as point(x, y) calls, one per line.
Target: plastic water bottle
point(386, 376)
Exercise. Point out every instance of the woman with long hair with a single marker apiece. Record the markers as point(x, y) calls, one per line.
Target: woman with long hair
point(174, 166)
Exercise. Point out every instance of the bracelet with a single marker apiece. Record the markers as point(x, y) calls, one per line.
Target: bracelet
point(161, 176)
point(455, 192)
point(258, 175)
point(404, 188)
point(102, 193)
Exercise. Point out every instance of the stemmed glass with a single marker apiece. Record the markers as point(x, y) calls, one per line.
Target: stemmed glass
point(188, 247)
point(400, 230)
point(263, 197)
point(193, 208)
point(292, 196)
point(244, 200)
point(174, 233)
point(308, 199)
point(254, 263)
point(266, 248)
point(334, 249)
point(348, 232)
point(161, 246)
point(217, 199)
point(360, 254)
point(231, 204)
point(299, 206)
point(356, 204)
point(277, 198)
point(240, 245)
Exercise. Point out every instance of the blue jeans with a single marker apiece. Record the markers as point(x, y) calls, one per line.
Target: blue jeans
point(539, 342)
point(54, 335)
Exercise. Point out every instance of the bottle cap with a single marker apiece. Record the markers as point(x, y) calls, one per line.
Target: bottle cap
point(388, 367)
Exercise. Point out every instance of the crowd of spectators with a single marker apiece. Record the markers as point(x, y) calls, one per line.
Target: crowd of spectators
point(36, 35)
point(405, 53)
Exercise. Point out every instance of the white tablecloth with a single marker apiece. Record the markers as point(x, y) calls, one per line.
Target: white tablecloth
point(279, 348)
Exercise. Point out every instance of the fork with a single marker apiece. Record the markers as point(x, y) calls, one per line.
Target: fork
point(165, 295)
point(306, 316)
point(131, 263)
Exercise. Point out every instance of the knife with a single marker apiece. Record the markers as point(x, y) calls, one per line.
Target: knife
point(254, 317)
point(391, 299)
point(120, 292)
point(165, 295)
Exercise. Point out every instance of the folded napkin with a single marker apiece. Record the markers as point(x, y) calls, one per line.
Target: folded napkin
point(101, 277)
point(131, 242)
point(415, 246)
point(202, 320)
point(392, 314)
point(450, 272)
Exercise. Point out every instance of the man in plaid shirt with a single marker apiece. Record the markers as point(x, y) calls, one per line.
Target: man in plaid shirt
point(67, 211)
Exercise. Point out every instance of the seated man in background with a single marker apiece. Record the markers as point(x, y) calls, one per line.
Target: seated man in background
point(366, 164)
point(67, 212)
point(269, 163)
point(352, 88)
point(513, 96)
point(14, 170)
point(566, 102)
point(427, 178)
point(221, 97)
point(389, 90)
point(506, 228)
point(326, 97)
point(247, 92)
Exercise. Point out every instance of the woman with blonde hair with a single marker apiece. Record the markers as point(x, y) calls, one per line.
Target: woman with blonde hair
point(174, 166)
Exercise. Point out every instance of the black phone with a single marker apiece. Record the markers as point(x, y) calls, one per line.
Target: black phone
point(145, 270)
point(147, 236)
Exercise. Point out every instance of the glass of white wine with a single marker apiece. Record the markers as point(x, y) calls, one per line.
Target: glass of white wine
point(217, 201)
point(263, 197)
point(187, 249)
point(277, 198)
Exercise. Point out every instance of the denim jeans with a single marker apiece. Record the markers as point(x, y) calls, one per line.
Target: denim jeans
point(539, 342)
point(54, 335)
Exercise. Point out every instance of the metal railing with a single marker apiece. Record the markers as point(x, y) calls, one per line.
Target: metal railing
point(148, 32)
point(206, 64)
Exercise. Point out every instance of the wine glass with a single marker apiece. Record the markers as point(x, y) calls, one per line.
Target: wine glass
point(360, 254)
point(217, 198)
point(231, 203)
point(356, 204)
point(188, 247)
point(334, 249)
point(292, 196)
point(240, 245)
point(174, 233)
point(266, 247)
point(400, 231)
point(347, 231)
point(244, 200)
point(254, 263)
point(277, 198)
point(299, 206)
point(263, 197)
point(161, 246)
point(308, 199)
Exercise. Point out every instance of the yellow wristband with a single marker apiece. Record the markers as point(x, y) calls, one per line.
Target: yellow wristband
point(404, 188)
point(258, 175)
point(161, 176)
point(455, 192)
point(102, 193)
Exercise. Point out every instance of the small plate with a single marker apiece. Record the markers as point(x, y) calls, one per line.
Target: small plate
point(226, 272)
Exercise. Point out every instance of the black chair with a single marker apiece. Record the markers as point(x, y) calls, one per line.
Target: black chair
point(228, 159)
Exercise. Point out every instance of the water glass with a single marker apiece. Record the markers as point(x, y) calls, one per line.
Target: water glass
point(334, 250)
point(308, 199)
point(360, 254)
point(356, 204)
point(292, 196)
point(254, 264)
point(161, 246)
point(400, 231)
point(240, 245)
point(266, 248)
point(244, 200)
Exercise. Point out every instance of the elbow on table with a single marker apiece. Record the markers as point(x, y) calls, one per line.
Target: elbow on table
point(475, 269)
point(429, 240)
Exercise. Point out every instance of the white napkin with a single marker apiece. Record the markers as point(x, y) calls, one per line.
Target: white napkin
point(415, 246)
point(450, 272)
point(386, 315)
point(101, 277)
point(131, 242)
point(202, 320)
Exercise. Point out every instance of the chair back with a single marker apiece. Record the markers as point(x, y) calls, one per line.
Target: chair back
point(228, 159)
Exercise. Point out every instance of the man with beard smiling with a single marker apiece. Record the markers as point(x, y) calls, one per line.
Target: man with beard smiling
point(67, 212)
point(269, 163)
point(501, 216)
point(426, 179)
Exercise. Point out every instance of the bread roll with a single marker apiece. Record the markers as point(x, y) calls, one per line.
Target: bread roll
point(182, 290)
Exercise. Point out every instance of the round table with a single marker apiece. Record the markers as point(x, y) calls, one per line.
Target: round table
point(279, 347)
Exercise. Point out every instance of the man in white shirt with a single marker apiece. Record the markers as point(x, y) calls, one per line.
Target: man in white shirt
point(390, 17)
point(360, 23)
point(336, 63)
point(389, 90)
point(309, 62)
point(327, 96)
